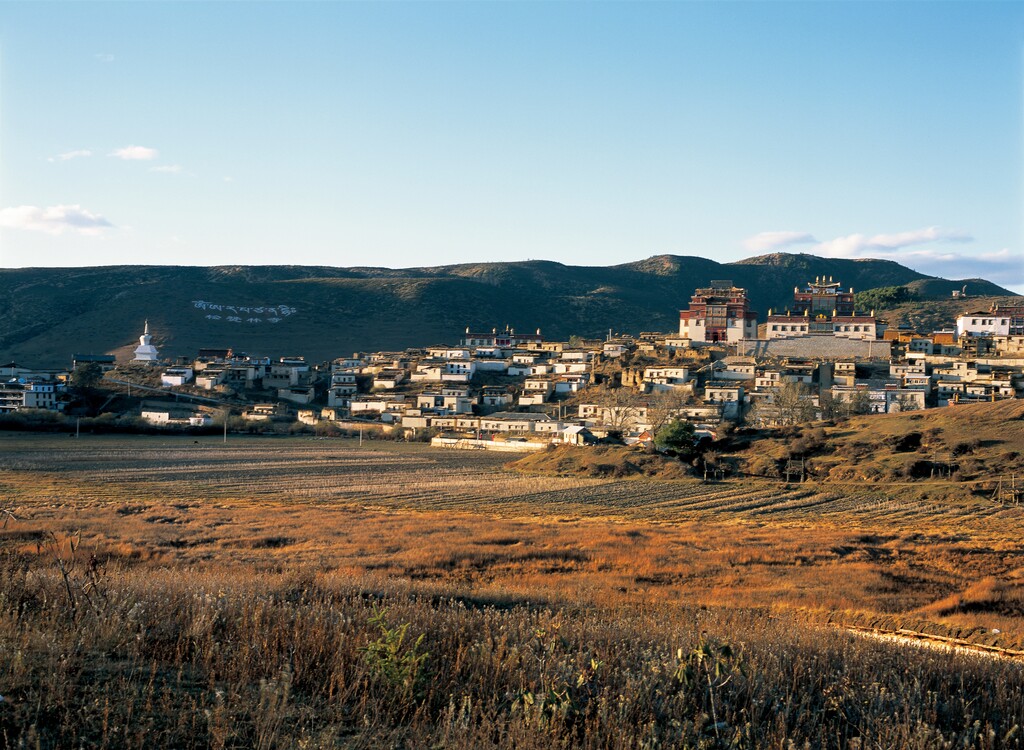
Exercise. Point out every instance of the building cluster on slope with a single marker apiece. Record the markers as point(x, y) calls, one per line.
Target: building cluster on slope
point(821, 358)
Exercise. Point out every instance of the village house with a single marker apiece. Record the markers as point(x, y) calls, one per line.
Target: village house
point(342, 388)
point(211, 377)
point(786, 326)
point(572, 382)
point(899, 398)
point(508, 339)
point(176, 376)
point(444, 352)
point(612, 417)
point(982, 324)
point(536, 391)
point(106, 362)
point(388, 378)
point(666, 378)
point(297, 394)
point(735, 368)
point(767, 379)
point(519, 422)
point(798, 371)
point(496, 397)
point(22, 393)
point(613, 349)
point(368, 407)
point(264, 412)
point(445, 403)
point(730, 395)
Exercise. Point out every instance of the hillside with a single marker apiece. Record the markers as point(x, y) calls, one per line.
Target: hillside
point(931, 314)
point(46, 314)
point(975, 444)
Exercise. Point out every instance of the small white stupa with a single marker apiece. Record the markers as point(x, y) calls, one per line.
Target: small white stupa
point(145, 351)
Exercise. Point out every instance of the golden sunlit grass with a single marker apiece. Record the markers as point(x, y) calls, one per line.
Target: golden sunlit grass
point(418, 514)
point(219, 570)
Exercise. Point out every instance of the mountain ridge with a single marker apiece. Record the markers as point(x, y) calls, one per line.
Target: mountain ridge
point(47, 314)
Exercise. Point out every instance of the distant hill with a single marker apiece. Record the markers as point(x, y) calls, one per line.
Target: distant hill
point(47, 314)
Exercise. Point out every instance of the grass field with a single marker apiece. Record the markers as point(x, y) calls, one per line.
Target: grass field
point(307, 535)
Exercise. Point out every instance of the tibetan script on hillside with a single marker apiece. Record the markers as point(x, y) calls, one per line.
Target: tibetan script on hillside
point(244, 313)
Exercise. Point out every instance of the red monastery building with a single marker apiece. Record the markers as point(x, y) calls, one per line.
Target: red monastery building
point(720, 312)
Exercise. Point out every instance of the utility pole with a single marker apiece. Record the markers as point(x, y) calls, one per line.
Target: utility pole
point(226, 426)
point(78, 426)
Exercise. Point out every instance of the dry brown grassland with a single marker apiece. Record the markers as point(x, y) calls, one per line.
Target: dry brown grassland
point(272, 592)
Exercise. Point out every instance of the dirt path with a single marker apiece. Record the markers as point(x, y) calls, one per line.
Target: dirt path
point(938, 642)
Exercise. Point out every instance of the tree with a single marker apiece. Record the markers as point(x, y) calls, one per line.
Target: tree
point(621, 409)
point(677, 436)
point(906, 402)
point(87, 376)
point(859, 403)
point(791, 403)
point(794, 403)
point(664, 407)
point(884, 297)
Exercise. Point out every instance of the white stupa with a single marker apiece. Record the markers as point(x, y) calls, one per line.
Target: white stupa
point(145, 351)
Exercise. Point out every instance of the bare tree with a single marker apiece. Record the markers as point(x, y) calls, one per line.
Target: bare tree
point(621, 409)
point(792, 403)
point(665, 406)
point(906, 402)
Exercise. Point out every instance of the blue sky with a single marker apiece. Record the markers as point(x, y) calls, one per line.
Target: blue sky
point(404, 134)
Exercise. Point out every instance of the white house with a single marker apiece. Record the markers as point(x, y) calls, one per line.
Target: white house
point(175, 376)
point(862, 327)
point(504, 421)
point(495, 397)
point(19, 393)
point(982, 324)
point(445, 403)
point(668, 376)
point(572, 383)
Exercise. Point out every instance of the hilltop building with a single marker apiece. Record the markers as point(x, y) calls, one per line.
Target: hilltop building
point(145, 351)
point(823, 298)
point(822, 308)
point(508, 339)
point(720, 312)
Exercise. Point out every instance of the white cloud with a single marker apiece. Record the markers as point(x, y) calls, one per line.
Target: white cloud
point(69, 155)
point(53, 220)
point(136, 153)
point(1003, 267)
point(167, 168)
point(856, 245)
point(776, 240)
point(104, 57)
